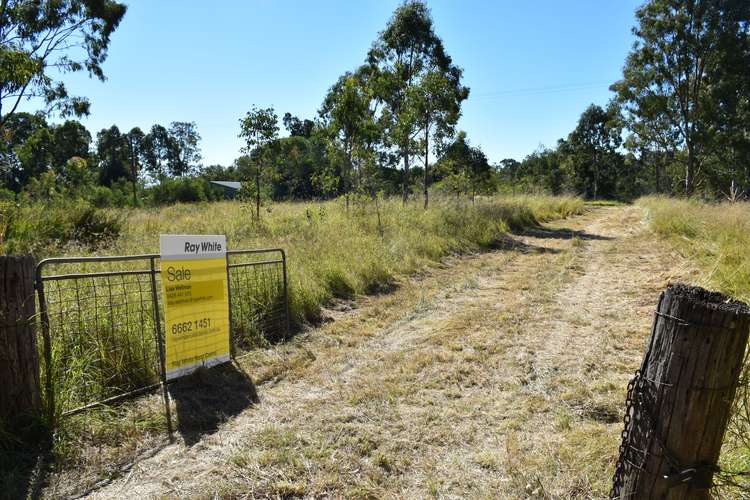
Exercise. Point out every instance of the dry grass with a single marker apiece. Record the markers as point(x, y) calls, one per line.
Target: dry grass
point(716, 237)
point(333, 253)
point(500, 375)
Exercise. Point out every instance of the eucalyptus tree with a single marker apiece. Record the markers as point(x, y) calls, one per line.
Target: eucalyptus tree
point(348, 117)
point(259, 128)
point(436, 105)
point(591, 152)
point(184, 153)
point(404, 52)
point(679, 59)
point(464, 168)
point(112, 152)
point(158, 151)
point(42, 39)
point(297, 127)
point(71, 139)
point(136, 143)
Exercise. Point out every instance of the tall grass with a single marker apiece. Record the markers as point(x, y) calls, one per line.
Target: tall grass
point(717, 238)
point(103, 348)
point(333, 252)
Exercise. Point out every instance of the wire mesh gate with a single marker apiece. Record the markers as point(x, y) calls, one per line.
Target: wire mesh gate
point(101, 323)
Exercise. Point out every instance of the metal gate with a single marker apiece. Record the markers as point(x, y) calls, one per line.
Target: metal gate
point(101, 323)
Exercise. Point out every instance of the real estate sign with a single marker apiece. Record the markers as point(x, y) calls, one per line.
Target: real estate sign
point(195, 291)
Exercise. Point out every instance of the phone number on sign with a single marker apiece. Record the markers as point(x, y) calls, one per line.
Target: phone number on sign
point(189, 326)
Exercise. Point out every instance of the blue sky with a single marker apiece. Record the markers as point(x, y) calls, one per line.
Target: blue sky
point(533, 66)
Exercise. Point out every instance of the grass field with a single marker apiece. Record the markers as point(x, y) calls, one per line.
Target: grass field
point(500, 374)
point(333, 253)
point(717, 238)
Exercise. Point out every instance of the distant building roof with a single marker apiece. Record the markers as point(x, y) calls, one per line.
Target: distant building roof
point(228, 184)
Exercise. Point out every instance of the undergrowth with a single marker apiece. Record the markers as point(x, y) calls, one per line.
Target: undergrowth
point(715, 236)
point(332, 252)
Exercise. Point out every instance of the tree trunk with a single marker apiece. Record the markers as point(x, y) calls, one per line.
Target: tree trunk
point(19, 359)
point(406, 178)
point(426, 177)
point(134, 173)
point(257, 195)
point(690, 171)
point(380, 222)
point(596, 176)
point(682, 398)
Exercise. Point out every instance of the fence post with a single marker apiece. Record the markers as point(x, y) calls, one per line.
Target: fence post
point(19, 360)
point(680, 400)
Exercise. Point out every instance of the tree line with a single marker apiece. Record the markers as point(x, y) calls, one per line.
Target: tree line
point(678, 122)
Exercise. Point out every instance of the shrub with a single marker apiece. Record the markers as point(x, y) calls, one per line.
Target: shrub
point(182, 190)
point(40, 228)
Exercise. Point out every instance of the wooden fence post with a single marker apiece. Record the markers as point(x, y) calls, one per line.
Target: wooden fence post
point(19, 359)
point(680, 400)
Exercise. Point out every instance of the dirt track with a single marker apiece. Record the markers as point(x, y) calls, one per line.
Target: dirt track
point(500, 374)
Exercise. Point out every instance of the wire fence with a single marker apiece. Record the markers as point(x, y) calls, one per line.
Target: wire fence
point(259, 301)
point(101, 334)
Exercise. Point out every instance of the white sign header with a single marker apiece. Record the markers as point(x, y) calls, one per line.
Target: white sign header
point(192, 246)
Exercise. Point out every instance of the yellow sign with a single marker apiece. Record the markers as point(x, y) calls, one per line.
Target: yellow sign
point(194, 286)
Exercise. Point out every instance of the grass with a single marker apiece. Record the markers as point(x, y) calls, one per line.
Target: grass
point(715, 237)
point(452, 386)
point(332, 253)
point(337, 254)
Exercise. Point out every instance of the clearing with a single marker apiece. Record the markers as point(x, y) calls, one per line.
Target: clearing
point(501, 374)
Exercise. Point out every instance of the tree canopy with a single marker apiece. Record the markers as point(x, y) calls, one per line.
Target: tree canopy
point(39, 39)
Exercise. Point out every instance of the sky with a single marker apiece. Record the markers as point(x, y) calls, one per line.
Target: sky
point(532, 66)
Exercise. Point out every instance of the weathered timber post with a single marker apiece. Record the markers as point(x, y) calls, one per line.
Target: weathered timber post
point(679, 402)
point(19, 360)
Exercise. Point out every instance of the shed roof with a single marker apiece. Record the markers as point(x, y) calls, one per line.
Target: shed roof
point(228, 184)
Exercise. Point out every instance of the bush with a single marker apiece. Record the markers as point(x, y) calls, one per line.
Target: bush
point(41, 228)
point(182, 190)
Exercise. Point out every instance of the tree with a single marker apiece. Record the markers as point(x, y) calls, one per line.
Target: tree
point(38, 38)
point(542, 169)
point(259, 128)
point(464, 168)
point(509, 170)
point(136, 143)
point(36, 155)
point(16, 131)
point(679, 58)
point(297, 127)
point(349, 120)
point(591, 152)
point(407, 49)
point(436, 104)
point(158, 152)
point(112, 151)
point(71, 140)
point(183, 150)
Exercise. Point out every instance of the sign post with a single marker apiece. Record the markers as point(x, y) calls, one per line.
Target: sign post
point(195, 290)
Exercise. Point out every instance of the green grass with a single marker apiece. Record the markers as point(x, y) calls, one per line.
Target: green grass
point(332, 253)
point(716, 237)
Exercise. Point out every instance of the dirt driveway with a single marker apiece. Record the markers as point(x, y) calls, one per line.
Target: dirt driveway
point(497, 375)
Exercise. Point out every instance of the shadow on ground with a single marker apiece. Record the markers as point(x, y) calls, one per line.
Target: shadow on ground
point(563, 234)
point(509, 243)
point(208, 397)
point(24, 465)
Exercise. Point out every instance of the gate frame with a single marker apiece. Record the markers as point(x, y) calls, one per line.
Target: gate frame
point(158, 332)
